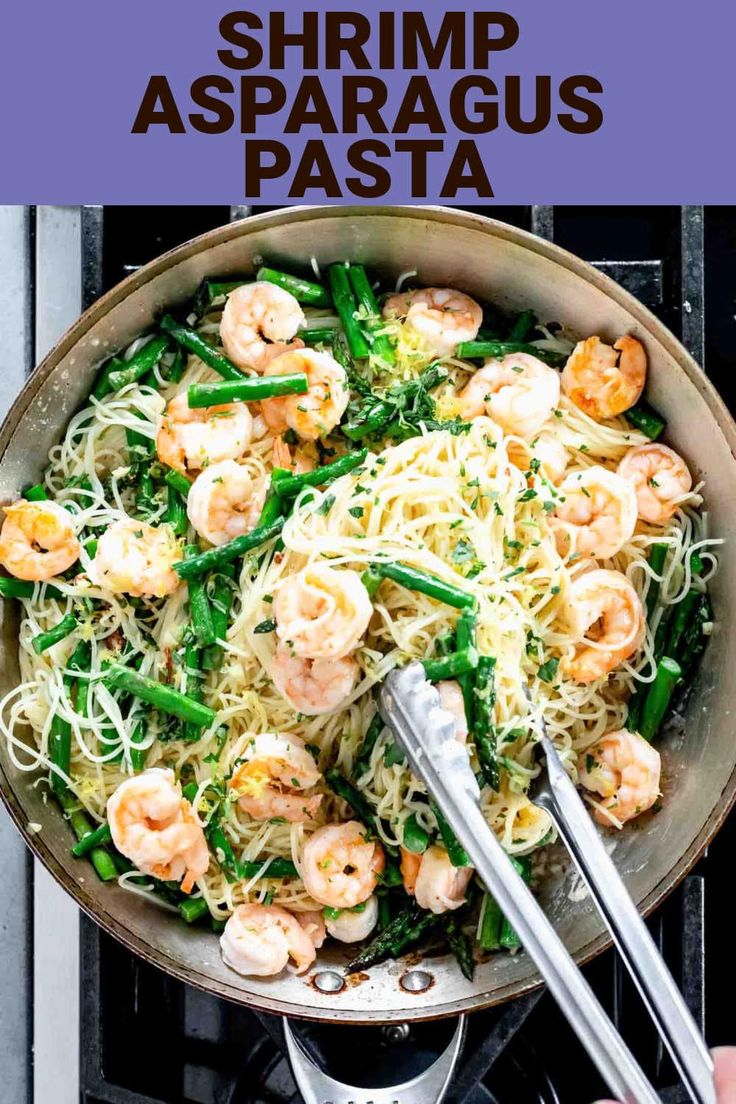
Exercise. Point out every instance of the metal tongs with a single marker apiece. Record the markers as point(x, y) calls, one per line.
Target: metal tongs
point(410, 706)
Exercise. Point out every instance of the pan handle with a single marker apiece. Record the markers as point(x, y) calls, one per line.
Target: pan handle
point(317, 1087)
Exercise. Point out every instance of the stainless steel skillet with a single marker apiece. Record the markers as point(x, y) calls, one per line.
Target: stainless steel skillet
point(516, 270)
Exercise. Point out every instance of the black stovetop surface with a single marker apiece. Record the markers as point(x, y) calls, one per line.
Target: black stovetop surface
point(148, 1039)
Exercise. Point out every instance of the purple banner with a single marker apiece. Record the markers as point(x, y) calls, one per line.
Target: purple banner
point(573, 102)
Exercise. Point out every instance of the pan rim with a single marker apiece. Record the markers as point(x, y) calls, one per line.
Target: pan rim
point(170, 259)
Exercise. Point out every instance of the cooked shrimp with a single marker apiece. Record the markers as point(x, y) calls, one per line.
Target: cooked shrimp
point(606, 615)
point(322, 612)
point(282, 458)
point(595, 514)
point(313, 923)
point(313, 686)
point(409, 867)
point(519, 393)
point(315, 414)
point(258, 321)
point(624, 769)
point(440, 886)
point(153, 826)
point(660, 479)
point(271, 778)
point(340, 865)
point(37, 540)
point(259, 940)
point(443, 318)
point(451, 699)
point(136, 558)
point(352, 925)
point(192, 438)
point(545, 452)
point(225, 501)
point(605, 381)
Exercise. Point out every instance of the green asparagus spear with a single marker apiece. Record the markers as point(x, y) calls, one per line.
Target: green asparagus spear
point(178, 482)
point(247, 389)
point(644, 418)
point(455, 850)
point(363, 758)
point(20, 588)
point(380, 344)
point(406, 929)
point(465, 636)
point(36, 493)
point(305, 291)
point(695, 638)
point(460, 945)
point(421, 581)
point(355, 799)
point(193, 342)
point(210, 290)
point(98, 856)
point(523, 326)
point(346, 308)
point(224, 853)
point(193, 680)
point(287, 485)
point(370, 579)
point(483, 733)
point(472, 350)
point(97, 837)
point(659, 696)
point(489, 937)
point(451, 666)
point(277, 868)
point(176, 514)
point(679, 620)
point(193, 909)
point(138, 754)
point(317, 335)
point(45, 640)
point(221, 600)
point(146, 358)
point(415, 838)
point(214, 558)
point(163, 698)
point(508, 938)
point(199, 605)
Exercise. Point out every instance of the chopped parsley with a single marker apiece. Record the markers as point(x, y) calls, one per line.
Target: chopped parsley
point(393, 755)
point(548, 670)
point(511, 574)
point(462, 552)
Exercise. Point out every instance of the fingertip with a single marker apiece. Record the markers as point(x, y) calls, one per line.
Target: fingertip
point(724, 1060)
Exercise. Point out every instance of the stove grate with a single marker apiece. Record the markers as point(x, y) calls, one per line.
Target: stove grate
point(148, 1039)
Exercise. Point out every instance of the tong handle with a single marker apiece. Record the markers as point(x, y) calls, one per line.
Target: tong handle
point(581, 1007)
point(411, 708)
point(680, 1034)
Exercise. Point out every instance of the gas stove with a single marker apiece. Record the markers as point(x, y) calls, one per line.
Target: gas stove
point(108, 1029)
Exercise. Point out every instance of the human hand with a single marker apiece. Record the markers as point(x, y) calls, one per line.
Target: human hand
point(724, 1060)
